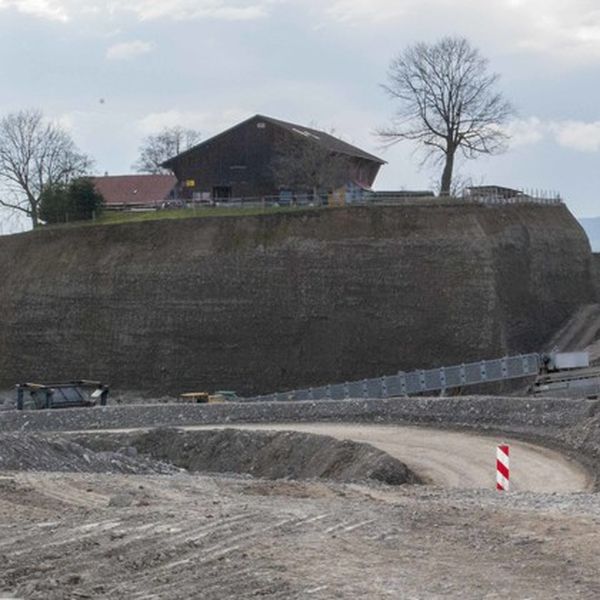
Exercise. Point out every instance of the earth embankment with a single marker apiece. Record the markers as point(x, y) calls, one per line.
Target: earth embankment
point(265, 454)
point(282, 301)
point(569, 426)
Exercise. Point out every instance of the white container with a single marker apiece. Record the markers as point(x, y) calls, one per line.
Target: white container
point(571, 360)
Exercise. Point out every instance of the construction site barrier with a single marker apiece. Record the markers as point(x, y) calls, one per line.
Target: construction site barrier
point(417, 382)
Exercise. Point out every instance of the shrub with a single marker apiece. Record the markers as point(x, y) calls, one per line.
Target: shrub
point(76, 201)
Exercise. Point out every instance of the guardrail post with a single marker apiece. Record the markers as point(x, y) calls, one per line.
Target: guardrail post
point(443, 381)
point(365, 389)
point(504, 367)
point(422, 380)
point(384, 390)
point(402, 378)
point(310, 394)
point(463, 374)
point(483, 371)
point(346, 390)
point(524, 364)
point(329, 392)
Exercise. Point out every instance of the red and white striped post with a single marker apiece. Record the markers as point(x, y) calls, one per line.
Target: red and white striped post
point(502, 468)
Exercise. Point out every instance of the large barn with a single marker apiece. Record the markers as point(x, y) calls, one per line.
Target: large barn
point(241, 162)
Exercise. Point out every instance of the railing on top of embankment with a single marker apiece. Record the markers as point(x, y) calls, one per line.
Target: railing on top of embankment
point(537, 198)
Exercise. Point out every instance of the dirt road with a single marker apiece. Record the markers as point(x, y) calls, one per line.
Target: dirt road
point(172, 537)
point(456, 459)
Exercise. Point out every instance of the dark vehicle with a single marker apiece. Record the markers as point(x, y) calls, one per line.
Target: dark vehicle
point(72, 394)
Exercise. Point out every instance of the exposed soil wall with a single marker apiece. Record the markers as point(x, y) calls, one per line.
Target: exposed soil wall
point(280, 301)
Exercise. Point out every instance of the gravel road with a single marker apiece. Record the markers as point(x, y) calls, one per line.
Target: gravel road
point(453, 459)
point(169, 537)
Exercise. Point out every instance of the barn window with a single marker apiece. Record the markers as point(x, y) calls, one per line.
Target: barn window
point(261, 125)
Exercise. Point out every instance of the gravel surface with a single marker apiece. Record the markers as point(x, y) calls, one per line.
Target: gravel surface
point(113, 536)
point(35, 452)
point(68, 536)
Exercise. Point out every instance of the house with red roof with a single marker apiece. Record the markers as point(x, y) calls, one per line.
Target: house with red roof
point(135, 191)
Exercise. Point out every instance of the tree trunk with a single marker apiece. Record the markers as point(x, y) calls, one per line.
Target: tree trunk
point(447, 174)
point(33, 210)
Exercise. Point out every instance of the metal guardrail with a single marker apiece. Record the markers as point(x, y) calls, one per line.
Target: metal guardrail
point(417, 382)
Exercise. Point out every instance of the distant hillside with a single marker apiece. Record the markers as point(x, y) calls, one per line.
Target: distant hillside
point(592, 228)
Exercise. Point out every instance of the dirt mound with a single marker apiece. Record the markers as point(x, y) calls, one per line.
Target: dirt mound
point(266, 454)
point(39, 453)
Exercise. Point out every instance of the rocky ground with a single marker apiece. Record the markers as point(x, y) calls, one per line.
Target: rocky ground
point(65, 536)
point(138, 518)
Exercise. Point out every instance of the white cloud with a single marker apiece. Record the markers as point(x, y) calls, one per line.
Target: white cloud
point(55, 10)
point(196, 9)
point(525, 132)
point(572, 134)
point(128, 50)
point(577, 135)
point(208, 123)
point(374, 10)
point(569, 30)
point(64, 10)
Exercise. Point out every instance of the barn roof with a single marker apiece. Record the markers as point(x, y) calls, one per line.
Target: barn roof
point(327, 140)
point(131, 190)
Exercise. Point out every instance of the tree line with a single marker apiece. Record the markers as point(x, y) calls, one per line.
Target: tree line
point(447, 103)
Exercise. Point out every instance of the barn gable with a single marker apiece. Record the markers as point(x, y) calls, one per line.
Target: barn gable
point(238, 163)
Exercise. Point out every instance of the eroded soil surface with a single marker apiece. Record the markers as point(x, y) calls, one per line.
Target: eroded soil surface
point(191, 536)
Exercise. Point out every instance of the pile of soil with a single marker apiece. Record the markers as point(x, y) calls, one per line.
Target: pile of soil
point(31, 452)
point(265, 454)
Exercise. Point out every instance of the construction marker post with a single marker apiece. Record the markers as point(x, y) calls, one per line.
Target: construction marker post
point(502, 468)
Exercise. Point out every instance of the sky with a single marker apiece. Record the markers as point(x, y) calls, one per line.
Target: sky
point(112, 72)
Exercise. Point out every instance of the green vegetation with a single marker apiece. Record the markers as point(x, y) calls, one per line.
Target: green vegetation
point(117, 217)
point(74, 201)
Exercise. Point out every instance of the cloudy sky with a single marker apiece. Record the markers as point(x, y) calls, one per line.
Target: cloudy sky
point(114, 71)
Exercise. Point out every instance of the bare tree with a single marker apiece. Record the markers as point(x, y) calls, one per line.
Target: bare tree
point(158, 148)
point(447, 103)
point(35, 153)
point(304, 165)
